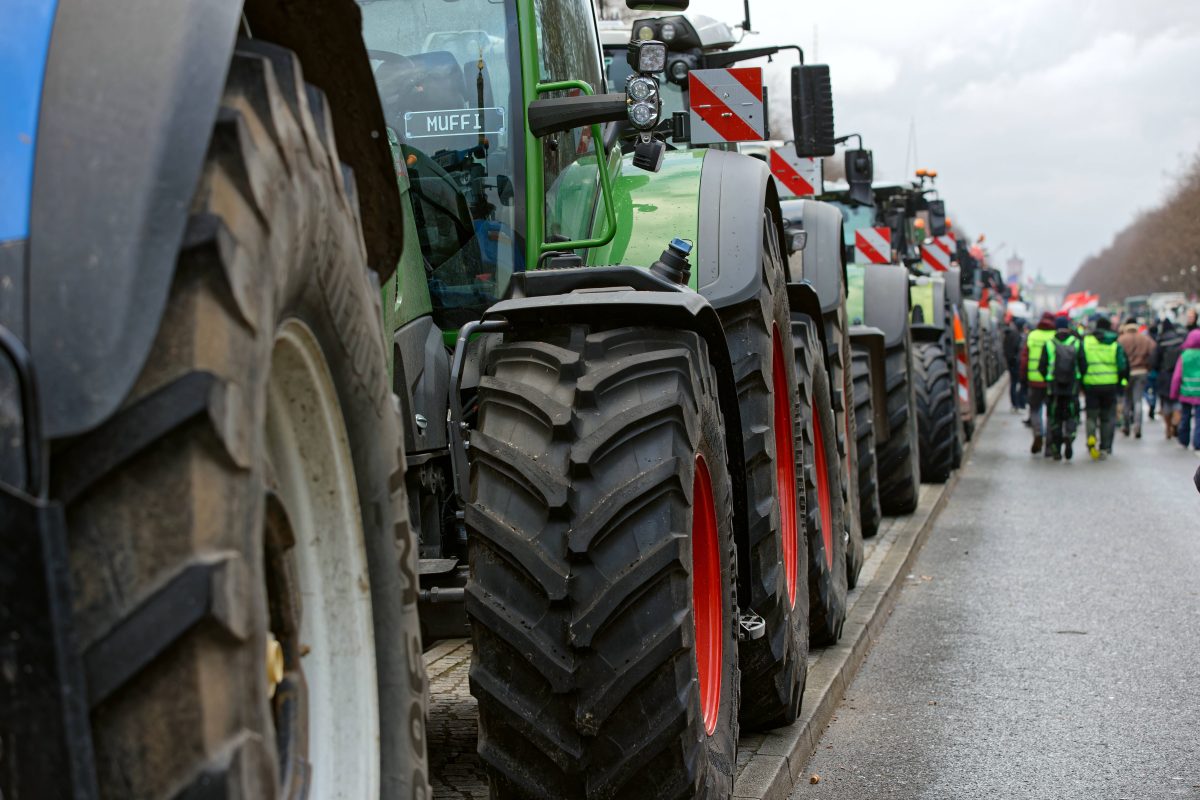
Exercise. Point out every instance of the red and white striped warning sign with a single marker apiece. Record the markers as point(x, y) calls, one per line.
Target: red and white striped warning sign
point(964, 380)
point(726, 105)
point(963, 371)
point(937, 253)
point(873, 245)
point(800, 176)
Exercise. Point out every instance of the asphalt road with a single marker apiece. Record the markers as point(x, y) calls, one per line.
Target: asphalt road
point(1047, 643)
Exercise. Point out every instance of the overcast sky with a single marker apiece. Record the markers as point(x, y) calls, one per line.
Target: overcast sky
point(1050, 122)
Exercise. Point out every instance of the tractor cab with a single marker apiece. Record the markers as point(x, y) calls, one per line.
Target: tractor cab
point(449, 82)
point(454, 88)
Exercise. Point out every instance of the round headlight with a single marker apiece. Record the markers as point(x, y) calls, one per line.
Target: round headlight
point(668, 31)
point(679, 70)
point(641, 88)
point(643, 114)
point(645, 33)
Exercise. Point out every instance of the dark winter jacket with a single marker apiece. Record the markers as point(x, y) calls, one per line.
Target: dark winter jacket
point(1170, 343)
point(1012, 345)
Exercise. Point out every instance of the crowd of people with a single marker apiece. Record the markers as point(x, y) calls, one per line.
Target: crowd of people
point(1120, 373)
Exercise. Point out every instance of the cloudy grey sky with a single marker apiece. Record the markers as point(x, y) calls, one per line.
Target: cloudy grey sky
point(1050, 122)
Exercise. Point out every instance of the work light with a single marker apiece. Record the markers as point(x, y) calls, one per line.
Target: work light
point(644, 104)
point(647, 57)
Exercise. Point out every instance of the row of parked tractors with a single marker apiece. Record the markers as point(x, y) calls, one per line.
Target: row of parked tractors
point(590, 388)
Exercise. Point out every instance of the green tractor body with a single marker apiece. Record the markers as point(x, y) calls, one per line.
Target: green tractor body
point(611, 395)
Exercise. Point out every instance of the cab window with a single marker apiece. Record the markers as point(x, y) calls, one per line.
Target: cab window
point(569, 49)
point(449, 80)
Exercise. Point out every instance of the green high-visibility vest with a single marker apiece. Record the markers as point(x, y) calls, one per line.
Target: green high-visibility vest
point(1036, 342)
point(1190, 386)
point(1101, 362)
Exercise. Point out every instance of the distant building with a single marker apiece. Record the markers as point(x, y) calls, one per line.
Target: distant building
point(1016, 269)
point(1045, 296)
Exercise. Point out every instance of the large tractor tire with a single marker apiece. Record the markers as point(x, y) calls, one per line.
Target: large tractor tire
point(978, 381)
point(864, 425)
point(898, 458)
point(602, 596)
point(848, 450)
point(774, 666)
point(243, 572)
point(827, 538)
point(937, 411)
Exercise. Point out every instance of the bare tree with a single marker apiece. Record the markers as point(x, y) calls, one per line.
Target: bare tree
point(1159, 251)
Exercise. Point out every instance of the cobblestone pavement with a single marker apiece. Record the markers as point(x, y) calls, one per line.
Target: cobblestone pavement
point(456, 771)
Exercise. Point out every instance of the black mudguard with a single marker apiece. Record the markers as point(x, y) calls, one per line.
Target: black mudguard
point(637, 297)
point(874, 342)
point(128, 105)
point(954, 293)
point(886, 301)
point(735, 192)
point(421, 381)
point(823, 262)
point(803, 299)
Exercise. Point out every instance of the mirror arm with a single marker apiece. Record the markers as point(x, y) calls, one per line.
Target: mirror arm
point(557, 114)
point(722, 60)
point(848, 137)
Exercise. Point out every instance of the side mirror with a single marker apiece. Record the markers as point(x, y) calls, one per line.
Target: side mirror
point(894, 218)
point(860, 172)
point(812, 111)
point(657, 5)
point(937, 217)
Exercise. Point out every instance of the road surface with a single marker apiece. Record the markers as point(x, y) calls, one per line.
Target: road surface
point(1047, 642)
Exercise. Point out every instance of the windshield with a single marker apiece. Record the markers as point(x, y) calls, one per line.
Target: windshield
point(448, 79)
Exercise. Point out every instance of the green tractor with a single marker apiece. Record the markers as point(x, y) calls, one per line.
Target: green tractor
point(879, 310)
point(617, 414)
point(700, 43)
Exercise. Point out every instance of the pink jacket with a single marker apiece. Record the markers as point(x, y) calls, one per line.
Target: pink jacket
point(1192, 342)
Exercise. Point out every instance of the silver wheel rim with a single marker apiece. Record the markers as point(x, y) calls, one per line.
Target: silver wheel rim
point(307, 446)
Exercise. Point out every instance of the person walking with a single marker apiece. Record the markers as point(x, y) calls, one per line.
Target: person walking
point(1060, 364)
point(1012, 359)
point(1170, 344)
point(1151, 392)
point(1031, 356)
point(1104, 370)
point(1185, 387)
point(1139, 349)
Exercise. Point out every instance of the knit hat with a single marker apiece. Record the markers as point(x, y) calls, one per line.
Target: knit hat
point(1047, 319)
point(1061, 322)
point(1104, 324)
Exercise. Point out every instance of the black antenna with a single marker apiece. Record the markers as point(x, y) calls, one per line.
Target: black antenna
point(746, 21)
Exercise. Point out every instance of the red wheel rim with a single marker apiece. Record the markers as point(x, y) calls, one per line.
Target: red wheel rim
point(785, 469)
point(706, 595)
point(823, 498)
